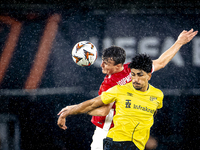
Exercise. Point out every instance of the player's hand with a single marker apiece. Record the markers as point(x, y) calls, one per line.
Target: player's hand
point(65, 109)
point(186, 36)
point(61, 122)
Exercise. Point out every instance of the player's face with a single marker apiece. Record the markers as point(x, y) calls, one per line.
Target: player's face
point(140, 79)
point(108, 66)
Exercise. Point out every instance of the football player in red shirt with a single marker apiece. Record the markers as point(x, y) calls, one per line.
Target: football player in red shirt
point(118, 73)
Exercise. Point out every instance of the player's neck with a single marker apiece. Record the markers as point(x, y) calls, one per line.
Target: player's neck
point(145, 88)
point(118, 69)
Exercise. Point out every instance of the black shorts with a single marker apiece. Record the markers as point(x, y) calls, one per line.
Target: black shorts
point(109, 144)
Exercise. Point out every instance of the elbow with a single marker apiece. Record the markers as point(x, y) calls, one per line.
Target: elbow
point(159, 66)
point(97, 113)
point(162, 65)
point(105, 113)
point(106, 109)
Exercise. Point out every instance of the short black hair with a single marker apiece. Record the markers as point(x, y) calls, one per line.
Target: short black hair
point(117, 54)
point(142, 62)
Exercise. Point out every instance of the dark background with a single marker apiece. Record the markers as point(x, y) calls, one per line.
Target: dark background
point(176, 124)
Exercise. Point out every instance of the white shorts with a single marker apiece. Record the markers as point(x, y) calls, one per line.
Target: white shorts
point(99, 135)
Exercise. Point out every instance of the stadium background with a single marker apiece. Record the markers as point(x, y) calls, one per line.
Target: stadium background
point(38, 77)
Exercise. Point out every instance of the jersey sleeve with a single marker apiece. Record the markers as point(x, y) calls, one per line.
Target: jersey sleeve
point(160, 101)
point(110, 95)
point(152, 70)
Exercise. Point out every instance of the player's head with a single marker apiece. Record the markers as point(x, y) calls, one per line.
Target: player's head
point(115, 53)
point(141, 66)
point(113, 59)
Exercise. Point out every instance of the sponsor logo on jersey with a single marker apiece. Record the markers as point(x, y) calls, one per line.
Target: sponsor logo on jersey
point(139, 107)
point(145, 108)
point(153, 98)
point(124, 80)
point(129, 94)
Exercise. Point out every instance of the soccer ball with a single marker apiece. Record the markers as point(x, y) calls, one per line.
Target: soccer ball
point(84, 53)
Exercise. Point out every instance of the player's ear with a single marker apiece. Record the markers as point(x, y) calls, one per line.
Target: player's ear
point(149, 76)
point(119, 65)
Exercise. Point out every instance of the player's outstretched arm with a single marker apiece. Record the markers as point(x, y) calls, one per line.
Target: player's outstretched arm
point(100, 111)
point(165, 58)
point(79, 109)
point(65, 109)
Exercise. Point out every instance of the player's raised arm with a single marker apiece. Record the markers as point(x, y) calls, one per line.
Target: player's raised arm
point(79, 109)
point(183, 38)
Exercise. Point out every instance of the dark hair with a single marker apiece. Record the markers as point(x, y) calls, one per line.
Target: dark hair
point(117, 54)
point(142, 62)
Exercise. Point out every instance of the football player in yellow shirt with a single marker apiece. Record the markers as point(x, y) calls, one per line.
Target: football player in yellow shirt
point(136, 103)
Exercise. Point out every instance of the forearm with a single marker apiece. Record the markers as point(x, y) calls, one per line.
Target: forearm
point(167, 56)
point(83, 107)
point(183, 38)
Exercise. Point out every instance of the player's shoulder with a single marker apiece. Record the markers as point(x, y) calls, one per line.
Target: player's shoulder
point(126, 68)
point(157, 91)
point(119, 87)
point(114, 89)
point(126, 65)
point(125, 86)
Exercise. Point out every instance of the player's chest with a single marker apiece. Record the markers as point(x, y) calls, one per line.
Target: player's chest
point(136, 101)
point(119, 79)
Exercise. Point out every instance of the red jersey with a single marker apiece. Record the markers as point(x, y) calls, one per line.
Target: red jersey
point(120, 78)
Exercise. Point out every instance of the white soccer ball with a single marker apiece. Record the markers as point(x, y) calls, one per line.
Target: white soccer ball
point(84, 53)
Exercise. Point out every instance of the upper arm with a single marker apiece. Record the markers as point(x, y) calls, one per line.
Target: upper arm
point(97, 102)
point(157, 65)
point(89, 105)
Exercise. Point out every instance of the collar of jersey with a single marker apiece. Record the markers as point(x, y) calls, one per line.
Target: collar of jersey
point(140, 92)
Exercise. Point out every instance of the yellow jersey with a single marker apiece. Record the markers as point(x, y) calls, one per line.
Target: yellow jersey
point(134, 112)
